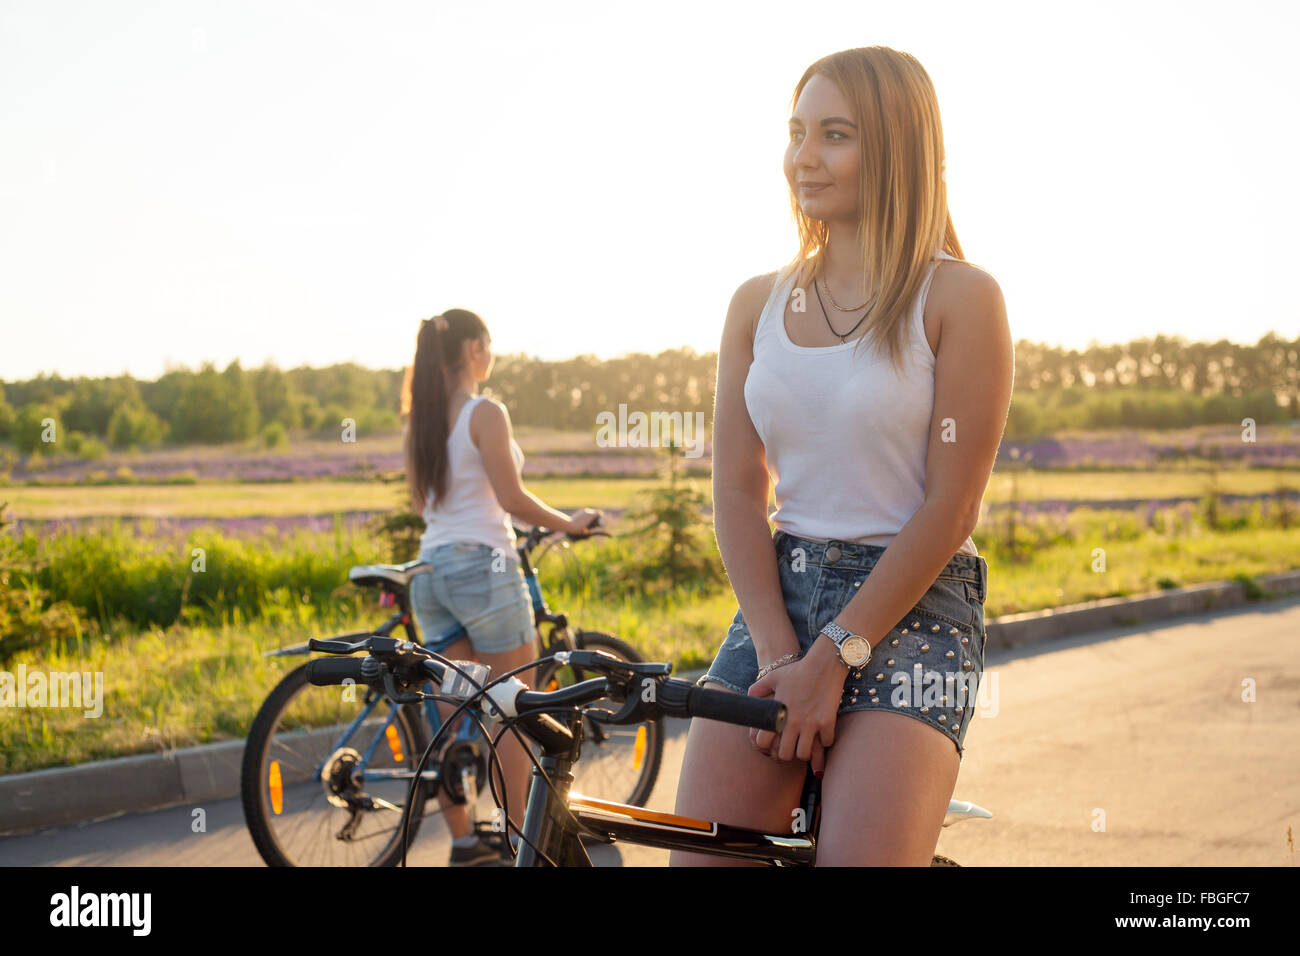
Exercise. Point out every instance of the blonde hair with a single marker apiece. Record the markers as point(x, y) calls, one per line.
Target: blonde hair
point(901, 190)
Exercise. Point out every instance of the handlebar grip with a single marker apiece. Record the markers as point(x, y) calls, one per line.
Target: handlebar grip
point(323, 671)
point(763, 713)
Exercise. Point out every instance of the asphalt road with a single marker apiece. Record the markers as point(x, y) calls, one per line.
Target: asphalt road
point(1127, 747)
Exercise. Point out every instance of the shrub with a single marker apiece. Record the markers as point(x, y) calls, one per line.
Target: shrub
point(331, 420)
point(29, 429)
point(679, 552)
point(135, 425)
point(378, 421)
point(92, 449)
point(28, 617)
point(274, 435)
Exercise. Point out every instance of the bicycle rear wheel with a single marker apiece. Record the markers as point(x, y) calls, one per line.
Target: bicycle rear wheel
point(304, 801)
point(619, 763)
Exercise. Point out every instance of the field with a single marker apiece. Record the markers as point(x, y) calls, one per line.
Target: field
point(104, 571)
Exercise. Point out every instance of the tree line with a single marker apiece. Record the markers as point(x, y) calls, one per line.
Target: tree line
point(1162, 382)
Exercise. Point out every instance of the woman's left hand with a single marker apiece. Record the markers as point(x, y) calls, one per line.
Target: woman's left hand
point(811, 689)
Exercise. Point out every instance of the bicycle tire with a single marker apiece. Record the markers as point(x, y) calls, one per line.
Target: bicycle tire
point(654, 745)
point(413, 733)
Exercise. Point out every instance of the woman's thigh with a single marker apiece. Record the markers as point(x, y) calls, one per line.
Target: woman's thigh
point(885, 792)
point(509, 660)
point(723, 778)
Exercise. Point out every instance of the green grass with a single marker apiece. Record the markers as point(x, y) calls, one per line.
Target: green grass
point(198, 684)
point(1063, 574)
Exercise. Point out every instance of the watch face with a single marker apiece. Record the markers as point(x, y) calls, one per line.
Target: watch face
point(855, 651)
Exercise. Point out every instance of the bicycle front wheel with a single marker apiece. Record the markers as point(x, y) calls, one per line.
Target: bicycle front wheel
point(619, 764)
point(326, 774)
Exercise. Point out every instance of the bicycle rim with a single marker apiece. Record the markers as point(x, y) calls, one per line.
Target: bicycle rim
point(304, 801)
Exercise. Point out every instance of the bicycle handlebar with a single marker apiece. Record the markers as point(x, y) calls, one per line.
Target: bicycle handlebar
point(323, 671)
point(645, 689)
point(764, 713)
point(538, 532)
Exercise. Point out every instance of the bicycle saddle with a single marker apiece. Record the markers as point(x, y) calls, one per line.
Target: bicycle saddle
point(377, 575)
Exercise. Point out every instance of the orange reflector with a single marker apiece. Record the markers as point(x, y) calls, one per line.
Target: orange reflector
point(553, 685)
point(394, 744)
point(592, 805)
point(638, 748)
point(277, 789)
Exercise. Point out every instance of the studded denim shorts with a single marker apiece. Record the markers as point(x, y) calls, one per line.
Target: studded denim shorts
point(466, 594)
point(928, 666)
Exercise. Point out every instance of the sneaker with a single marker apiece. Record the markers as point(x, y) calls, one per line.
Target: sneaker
point(478, 854)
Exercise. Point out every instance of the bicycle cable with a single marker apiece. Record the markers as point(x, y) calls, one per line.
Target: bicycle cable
point(509, 722)
point(502, 800)
point(447, 724)
point(559, 801)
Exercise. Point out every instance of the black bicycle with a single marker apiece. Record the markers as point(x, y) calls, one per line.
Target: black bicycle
point(559, 819)
point(327, 775)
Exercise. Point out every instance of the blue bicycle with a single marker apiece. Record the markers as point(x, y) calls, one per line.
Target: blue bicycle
point(327, 771)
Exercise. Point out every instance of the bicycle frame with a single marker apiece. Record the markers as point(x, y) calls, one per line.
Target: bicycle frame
point(548, 825)
point(404, 617)
point(557, 819)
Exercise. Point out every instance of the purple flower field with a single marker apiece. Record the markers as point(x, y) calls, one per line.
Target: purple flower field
point(1277, 445)
point(254, 526)
point(315, 465)
point(1274, 446)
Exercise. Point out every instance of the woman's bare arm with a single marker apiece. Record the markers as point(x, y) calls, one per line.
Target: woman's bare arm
point(741, 485)
point(489, 429)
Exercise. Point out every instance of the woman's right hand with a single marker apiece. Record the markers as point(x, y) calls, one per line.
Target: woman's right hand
point(580, 521)
point(811, 689)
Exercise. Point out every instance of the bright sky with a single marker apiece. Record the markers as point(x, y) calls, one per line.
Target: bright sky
point(304, 181)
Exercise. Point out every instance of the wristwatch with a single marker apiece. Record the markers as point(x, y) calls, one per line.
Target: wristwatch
point(854, 649)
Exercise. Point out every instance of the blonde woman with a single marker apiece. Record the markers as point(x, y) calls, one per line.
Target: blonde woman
point(463, 467)
point(871, 376)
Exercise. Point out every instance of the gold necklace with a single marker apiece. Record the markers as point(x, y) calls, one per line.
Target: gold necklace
point(836, 305)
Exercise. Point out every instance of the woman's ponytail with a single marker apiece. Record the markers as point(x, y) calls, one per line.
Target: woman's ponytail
point(438, 358)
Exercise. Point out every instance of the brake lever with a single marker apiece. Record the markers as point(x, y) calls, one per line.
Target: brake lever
point(605, 662)
point(337, 647)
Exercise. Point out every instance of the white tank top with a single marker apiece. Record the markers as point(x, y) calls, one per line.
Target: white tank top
point(470, 511)
point(846, 437)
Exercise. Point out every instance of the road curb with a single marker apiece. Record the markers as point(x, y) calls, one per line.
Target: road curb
point(101, 789)
point(1035, 627)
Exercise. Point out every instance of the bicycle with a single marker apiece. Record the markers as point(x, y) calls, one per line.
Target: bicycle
point(558, 819)
point(325, 777)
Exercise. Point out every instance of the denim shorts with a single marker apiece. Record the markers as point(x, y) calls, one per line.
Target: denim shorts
point(465, 595)
point(928, 666)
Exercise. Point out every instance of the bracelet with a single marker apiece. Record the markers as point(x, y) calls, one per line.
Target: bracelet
point(779, 662)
